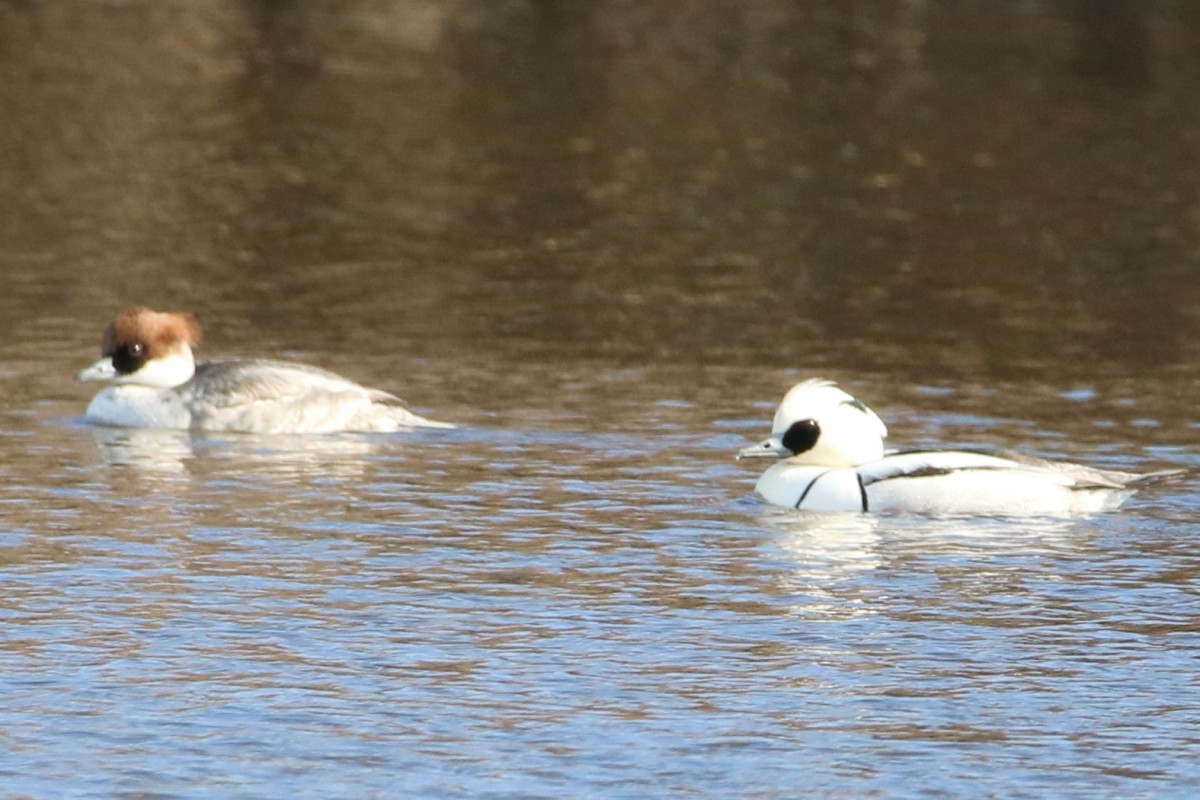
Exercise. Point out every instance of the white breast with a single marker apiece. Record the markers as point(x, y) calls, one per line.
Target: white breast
point(812, 488)
point(133, 406)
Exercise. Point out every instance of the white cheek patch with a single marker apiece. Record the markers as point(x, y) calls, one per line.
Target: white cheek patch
point(165, 372)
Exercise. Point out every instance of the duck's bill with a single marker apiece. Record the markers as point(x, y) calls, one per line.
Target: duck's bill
point(771, 447)
point(102, 370)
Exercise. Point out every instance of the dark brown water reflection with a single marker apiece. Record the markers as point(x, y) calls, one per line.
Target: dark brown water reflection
point(935, 189)
point(605, 237)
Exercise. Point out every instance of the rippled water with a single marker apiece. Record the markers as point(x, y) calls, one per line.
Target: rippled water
point(548, 608)
point(604, 241)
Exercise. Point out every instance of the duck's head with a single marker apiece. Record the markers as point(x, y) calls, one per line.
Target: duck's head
point(819, 424)
point(148, 348)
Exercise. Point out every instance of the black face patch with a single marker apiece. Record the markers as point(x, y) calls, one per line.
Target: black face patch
point(802, 436)
point(129, 358)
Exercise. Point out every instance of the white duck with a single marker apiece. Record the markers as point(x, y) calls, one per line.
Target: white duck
point(832, 446)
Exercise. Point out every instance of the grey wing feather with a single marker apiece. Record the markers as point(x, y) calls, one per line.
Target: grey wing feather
point(1093, 478)
point(240, 381)
point(918, 464)
point(926, 463)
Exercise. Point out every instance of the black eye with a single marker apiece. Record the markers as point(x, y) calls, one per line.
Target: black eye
point(129, 358)
point(802, 436)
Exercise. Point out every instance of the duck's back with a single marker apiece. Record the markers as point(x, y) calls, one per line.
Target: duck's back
point(264, 396)
point(946, 482)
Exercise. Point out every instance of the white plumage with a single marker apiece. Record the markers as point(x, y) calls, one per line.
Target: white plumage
point(833, 460)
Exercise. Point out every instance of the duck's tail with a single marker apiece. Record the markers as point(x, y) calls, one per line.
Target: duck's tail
point(406, 419)
point(1151, 478)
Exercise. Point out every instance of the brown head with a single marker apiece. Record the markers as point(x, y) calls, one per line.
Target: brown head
point(145, 346)
point(140, 334)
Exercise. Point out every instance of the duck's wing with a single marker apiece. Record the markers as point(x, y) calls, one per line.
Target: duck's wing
point(928, 463)
point(921, 463)
point(1092, 478)
point(240, 382)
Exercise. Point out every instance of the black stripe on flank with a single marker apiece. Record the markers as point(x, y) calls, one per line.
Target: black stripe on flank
point(807, 489)
point(931, 472)
point(934, 473)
